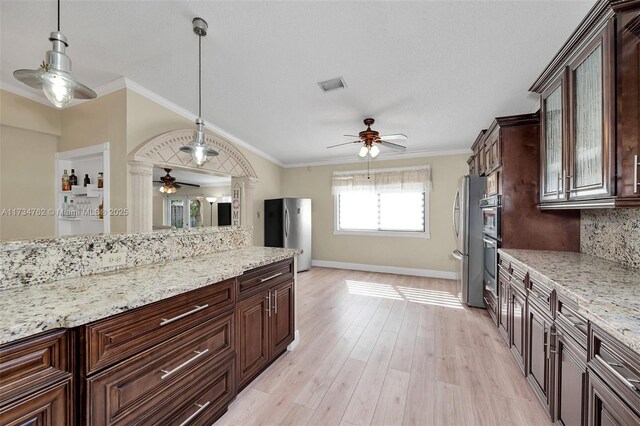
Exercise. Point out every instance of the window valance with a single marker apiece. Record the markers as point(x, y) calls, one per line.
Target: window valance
point(404, 179)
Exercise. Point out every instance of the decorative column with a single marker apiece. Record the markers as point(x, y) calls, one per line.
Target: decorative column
point(141, 205)
point(249, 185)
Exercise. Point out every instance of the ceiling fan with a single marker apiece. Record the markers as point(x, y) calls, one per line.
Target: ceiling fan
point(370, 140)
point(170, 185)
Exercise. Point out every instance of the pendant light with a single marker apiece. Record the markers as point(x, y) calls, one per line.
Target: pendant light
point(54, 77)
point(198, 148)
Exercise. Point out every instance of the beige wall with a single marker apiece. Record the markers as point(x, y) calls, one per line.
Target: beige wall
point(147, 119)
point(29, 133)
point(95, 122)
point(406, 252)
point(27, 181)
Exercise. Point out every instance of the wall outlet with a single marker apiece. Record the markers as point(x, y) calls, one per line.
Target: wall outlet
point(114, 259)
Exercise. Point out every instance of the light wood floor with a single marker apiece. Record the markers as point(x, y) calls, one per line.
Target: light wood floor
point(388, 350)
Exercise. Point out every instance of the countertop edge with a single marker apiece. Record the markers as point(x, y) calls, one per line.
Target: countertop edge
point(582, 304)
point(39, 325)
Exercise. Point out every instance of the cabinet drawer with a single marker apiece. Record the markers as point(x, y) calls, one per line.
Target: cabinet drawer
point(568, 317)
point(256, 280)
point(617, 365)
point(48, 407)
point(541, 295)
point(202, 404)
point(30, 363)
point(124, 393)
point(118, 337)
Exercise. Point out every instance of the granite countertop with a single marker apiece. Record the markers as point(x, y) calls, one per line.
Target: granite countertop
point(71, 302)
point(607, 293)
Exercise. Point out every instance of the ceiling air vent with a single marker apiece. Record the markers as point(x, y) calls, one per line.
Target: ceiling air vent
point(333, 84)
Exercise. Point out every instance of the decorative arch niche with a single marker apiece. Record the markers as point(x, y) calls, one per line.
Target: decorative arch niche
point(164, 150)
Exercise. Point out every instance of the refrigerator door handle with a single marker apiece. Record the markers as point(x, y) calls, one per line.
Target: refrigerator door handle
point(456, 254)
point(453, 212)
point(286, 222)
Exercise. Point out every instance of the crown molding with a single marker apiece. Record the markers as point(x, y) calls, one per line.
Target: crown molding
point(385, 157)
point(125, 82)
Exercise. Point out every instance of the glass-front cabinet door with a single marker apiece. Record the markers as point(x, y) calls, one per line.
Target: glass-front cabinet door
point(553, 142)
point(588, 165)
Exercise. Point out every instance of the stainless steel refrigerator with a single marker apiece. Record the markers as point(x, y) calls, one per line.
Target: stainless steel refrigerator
point(287, 223)
point(467, 229)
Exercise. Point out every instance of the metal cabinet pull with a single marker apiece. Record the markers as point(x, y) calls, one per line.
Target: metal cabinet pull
point(270, 277)
point(200, 408)
point(275, 302)
point(636, 183)
point(184, 364)
point(268, 297)
point(560, 184)
point(193, 311)
point(626, 381)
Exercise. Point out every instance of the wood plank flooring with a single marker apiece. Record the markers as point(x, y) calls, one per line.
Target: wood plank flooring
point(388, 350)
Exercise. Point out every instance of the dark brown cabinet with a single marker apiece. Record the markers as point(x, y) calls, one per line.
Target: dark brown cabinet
point(538, 360)
point(253, 336)
point(503, 307)
point(606, 408)
point(478, 155)
point(590, 104)
point(265, 328)
point(570, 381)
point(517, 328)
point(48, 407)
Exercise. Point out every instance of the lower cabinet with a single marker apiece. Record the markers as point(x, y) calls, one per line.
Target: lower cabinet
point(265, 329)
point(48, 407)
point(605, 407)
point(503, 307)
point(570, 381)
point(517, 329)
point(538, 360)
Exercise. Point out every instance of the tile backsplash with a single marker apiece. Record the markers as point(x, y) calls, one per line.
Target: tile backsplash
point(36, 261)
point(612, 235)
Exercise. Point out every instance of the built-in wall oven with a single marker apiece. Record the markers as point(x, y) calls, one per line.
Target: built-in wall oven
point(490, 208)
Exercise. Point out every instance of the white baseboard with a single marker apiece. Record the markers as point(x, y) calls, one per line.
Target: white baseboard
point(386, 269)
point(296, 340)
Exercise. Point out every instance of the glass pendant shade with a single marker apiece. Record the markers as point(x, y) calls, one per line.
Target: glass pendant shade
point(54, 77)
point(374, 151)
point(199, 150)
point(363, 151)
point(168, 189)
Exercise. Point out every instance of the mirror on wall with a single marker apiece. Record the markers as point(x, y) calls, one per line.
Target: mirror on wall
point(187, 199)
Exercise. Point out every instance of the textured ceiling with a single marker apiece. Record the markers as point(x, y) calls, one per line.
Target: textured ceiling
point(438, 71)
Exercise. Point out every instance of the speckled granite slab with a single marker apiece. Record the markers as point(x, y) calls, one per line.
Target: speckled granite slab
point(24, 263)
point(607, 293)
point(611, 234)
point(71, 302)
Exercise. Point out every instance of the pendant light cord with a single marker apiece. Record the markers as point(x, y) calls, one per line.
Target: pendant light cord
point(199, 75)
point(58, 15)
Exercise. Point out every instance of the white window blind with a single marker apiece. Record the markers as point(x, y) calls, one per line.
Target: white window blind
point(392, 202)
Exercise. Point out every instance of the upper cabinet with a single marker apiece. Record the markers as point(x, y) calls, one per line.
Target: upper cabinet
point(589, 97)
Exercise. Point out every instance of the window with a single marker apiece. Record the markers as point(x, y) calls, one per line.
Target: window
point(391, 202)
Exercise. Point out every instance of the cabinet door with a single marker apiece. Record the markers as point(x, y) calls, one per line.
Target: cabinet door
point(538, 361)
point(503, 308)
point(517, 325)
point(605, 407)
point(591, 121)
point(49, 407)
point(628, 103)
point(571, 381)
point(281, 330)
point(253, 335)
point(553, 135)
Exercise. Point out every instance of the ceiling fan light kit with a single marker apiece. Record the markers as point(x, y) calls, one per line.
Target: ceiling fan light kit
point(370, 139)
point(198, 148)
point(54, 77)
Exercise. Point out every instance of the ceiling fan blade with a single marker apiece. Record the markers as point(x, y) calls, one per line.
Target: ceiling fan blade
point(195, 185)
point(352, 136)
point(394, 146)
point(342, 144)
point(395, 137)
